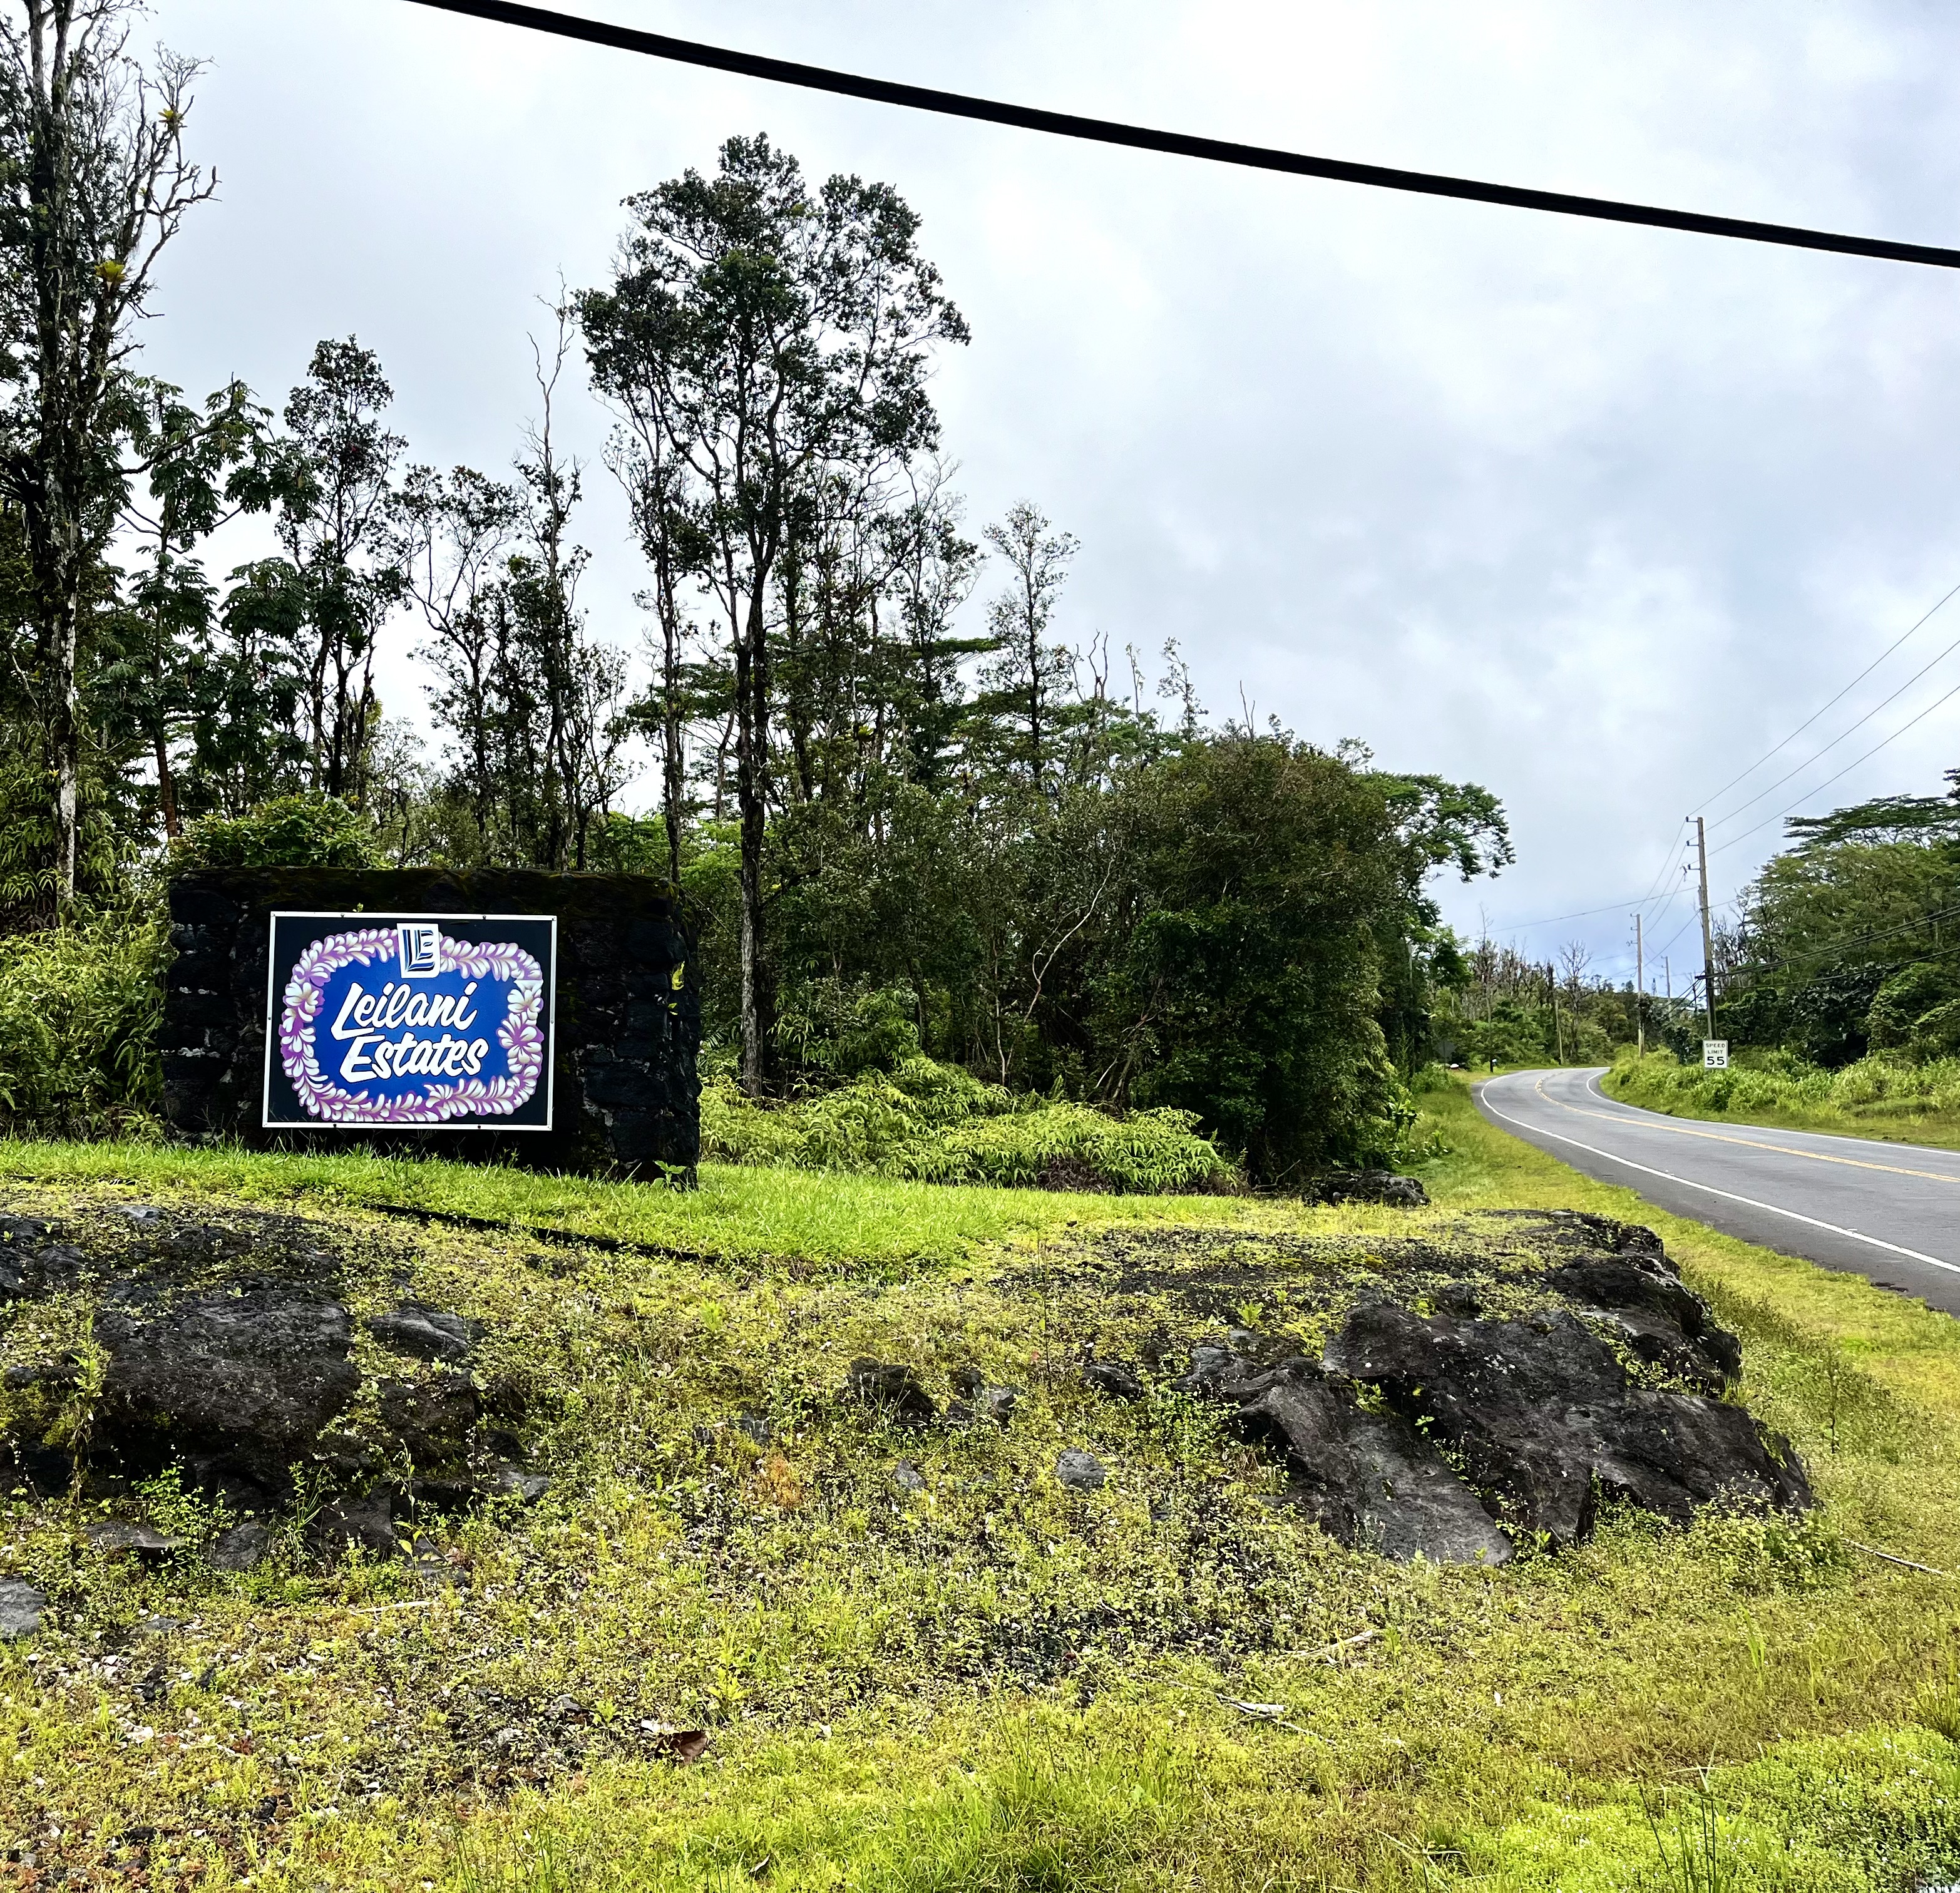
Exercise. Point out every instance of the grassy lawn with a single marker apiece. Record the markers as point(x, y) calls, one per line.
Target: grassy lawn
point(986, 1681)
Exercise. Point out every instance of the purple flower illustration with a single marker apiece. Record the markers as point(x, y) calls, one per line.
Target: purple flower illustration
point(521, 1035)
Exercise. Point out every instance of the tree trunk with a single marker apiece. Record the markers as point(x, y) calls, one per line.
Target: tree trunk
point(167, 787)
point(751, 732)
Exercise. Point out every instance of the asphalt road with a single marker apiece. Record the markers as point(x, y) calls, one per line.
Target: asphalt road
point(1890, 1212)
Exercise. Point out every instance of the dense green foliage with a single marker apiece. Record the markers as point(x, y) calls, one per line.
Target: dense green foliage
point(1847, 942)
point(79, 1009)
point(938, 1123)
point(290, 831)
point(1917, 1101)
point(903, 835)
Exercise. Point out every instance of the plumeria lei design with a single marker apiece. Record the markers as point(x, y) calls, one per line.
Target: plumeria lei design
point(521, 1035)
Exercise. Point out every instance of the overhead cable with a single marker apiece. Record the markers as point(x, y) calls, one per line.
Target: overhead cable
point(1708, 800)
point(1841, 773)
point(1931, 663)
point(660, 46)
point(1831, 949)
point(1612, 907)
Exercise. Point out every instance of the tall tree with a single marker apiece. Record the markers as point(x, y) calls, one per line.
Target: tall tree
point(934, 567)
point(778, 335)
point(203, 465)
point(531, 704)
point(94, 183)
point(1026, 678)
point(458, 531)
point(336, 527)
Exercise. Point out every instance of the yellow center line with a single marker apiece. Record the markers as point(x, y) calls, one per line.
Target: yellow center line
point(1720, 1136)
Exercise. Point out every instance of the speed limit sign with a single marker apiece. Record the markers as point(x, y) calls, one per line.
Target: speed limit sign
point(1715, 1055)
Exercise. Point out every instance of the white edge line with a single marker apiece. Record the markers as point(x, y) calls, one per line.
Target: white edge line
point(1774, 1209)
point(1625, 1113)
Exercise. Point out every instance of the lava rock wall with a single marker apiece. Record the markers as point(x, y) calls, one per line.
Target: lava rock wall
point(627, 1095)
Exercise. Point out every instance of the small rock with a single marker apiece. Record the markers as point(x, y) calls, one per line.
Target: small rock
point(240, 1548)
point(980, 1399)
point(758, 1429)
point(143, 1215)
point(1114, 1378)
point(367, 1521)
point(906, 1477)
point(1079, 1471)
point(441, 1495)
point(894, 1390)
point(21, 1608)
point(59, 1375)
point(426, 1333)
point(507, 1482)
point(119, 1534)
point(1211, 1367)
point(45, 1470)
point(1371, 1186)
point(155, 1629)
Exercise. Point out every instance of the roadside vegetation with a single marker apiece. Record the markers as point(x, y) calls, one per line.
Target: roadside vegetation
point(983, 1679)
point(1837, 988)
point(1878, 1096)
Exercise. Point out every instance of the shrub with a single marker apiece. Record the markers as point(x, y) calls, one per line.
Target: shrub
point(292, 831)
point(79, 1009)
point(936, 1123)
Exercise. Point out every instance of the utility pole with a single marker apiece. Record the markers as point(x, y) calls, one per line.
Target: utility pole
point(1707, 935)
point(1558, 1028)
point(1640, 992)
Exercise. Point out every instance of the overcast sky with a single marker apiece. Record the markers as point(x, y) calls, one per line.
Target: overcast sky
point(1593, 515)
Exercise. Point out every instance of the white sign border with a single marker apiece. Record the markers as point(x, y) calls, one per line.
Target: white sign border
point(268, 1122)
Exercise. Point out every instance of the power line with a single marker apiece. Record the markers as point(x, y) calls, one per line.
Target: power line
point(1612, 907)
point(1706, 801)
point(1842, 773)
point(1930, 664)
point(922, 98)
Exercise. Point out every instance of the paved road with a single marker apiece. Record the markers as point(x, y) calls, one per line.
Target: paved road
point(1888, 1211)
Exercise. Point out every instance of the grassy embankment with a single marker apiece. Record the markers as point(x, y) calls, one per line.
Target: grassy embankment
point(993, 1683)
point(1894, 1102)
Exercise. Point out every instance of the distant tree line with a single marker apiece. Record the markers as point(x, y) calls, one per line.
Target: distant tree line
point(903, 832)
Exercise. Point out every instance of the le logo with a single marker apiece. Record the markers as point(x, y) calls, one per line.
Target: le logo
point(421, 947)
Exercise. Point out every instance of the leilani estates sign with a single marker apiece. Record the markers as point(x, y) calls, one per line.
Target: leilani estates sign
point(410, 1021)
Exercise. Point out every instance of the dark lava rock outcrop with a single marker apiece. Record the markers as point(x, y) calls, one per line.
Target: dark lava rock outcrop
point(1467, 1398)
point(1546, 1418)
point(1368, 1479)
point(227, 1349)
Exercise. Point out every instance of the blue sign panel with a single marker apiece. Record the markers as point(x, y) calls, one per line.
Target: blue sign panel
point(406, 1022)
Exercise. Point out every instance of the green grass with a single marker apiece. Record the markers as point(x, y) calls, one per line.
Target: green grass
point(739, 1210)
point(993, 1683)
point(1888, 1100)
